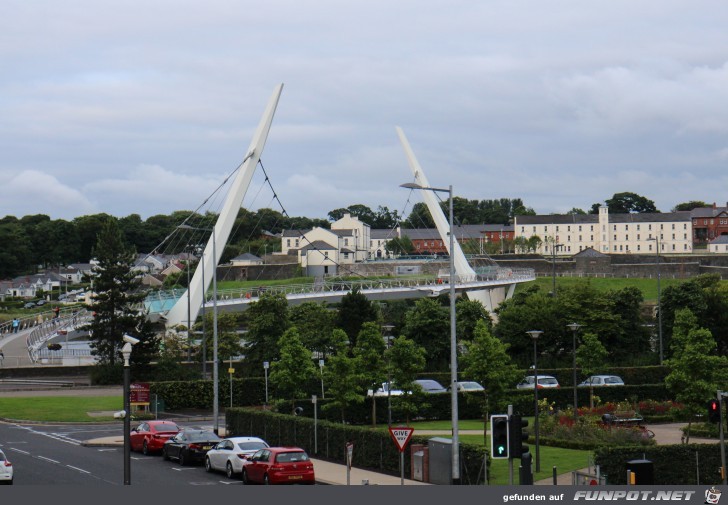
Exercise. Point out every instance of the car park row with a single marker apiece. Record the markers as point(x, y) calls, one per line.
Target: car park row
point(248, 458)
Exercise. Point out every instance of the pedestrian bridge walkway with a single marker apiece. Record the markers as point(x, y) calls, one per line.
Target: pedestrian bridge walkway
point(332, 291)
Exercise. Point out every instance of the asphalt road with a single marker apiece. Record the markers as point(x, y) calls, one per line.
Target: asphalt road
point(49, 454)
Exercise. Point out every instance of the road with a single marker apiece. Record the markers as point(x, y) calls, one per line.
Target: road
point(50, 454)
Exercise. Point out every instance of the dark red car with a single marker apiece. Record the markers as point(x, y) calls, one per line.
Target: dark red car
point(150, 436)
point(279, 465)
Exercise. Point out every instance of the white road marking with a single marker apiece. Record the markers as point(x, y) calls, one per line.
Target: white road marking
point(202, 483)
point(181, 469)
point(18, 450)
point(79, 469)
point(106, 450)
point(49, 459)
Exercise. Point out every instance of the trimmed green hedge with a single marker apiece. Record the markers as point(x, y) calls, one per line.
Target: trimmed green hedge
point(672, 464)
point(373, 448)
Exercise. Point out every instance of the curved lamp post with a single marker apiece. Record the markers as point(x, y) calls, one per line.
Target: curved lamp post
point(129, 341)
point(574, 327)
point(534, 334)
point(453, 338)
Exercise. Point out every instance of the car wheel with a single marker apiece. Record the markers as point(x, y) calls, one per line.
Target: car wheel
point(182, 458)
point(229, 471)
point(145, 449)
point(245, 477)
point(208, 465)
point(265, 480)
point(165, 454)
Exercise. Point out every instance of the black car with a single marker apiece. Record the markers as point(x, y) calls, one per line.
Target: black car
point(189, 446)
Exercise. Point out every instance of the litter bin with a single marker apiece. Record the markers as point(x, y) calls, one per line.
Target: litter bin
point(643, 471)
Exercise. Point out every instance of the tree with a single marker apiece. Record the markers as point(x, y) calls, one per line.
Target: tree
point(293, 370)
point(267, 321)
point(116, 302)
point(399, 245)
point(228, 340)
point(369, 352)
point(591, 357)
point(405, 360)
point(469, 313)
point(486, 361)
point(354, 311)
point(428, 325)
point(626, 203)
point(315, 324)
point(343, 377)
point(696, 372)
point(693, 204)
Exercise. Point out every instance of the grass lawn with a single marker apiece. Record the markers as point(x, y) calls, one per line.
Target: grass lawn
point(647, 286)
point(59, 408)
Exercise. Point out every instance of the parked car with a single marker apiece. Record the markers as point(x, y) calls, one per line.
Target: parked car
point(29, 305)
point(6, 469)
point(150, 436)
point(388, 389)
point(602, 380)
point(279, 465)
point(544, 381)
point(40, 303)
point(228, 455)
point(189, 446)
point(431, 386)
point(468, 386)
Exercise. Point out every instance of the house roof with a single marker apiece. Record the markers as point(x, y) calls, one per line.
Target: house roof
point(721, 239)
point(590, 252)
point(636, 217)
point(382, 234)
point(246, 257)
point(295, 233)
point(318, 245)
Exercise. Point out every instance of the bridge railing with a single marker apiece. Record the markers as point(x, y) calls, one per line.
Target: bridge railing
point(161, 301)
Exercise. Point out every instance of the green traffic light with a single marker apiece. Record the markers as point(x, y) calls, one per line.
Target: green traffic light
point(501, 450)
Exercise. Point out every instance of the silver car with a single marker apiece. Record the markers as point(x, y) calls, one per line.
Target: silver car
point(602, 380)
point(544, 381)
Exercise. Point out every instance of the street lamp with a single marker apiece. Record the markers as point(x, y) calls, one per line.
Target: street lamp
point(388, 343)
point(215, 367)
point(553, 265)
point(453, 338)
point(574, 328)
point(659, 307)
point(265, 369)
point(321, 366)
point(129, 341)
point(534, 334)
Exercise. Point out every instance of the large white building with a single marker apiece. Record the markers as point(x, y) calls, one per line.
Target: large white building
point(636, 233)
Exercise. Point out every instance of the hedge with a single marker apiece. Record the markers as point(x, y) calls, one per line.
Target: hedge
point(672, 464)
point(374, 449)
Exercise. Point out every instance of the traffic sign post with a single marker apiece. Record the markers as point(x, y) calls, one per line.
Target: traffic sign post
point(401, 436)
point(349, 457)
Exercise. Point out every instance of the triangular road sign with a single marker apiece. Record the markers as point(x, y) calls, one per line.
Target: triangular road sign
point(401, 436)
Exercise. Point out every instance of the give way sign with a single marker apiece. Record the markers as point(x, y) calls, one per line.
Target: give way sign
point(401, 436)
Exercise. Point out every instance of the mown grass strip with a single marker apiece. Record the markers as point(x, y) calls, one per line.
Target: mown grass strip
point(59, 408)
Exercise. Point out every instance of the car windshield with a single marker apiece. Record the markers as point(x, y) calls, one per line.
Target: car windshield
point(613, 380)
point(547, 380)
point(251, 446)
point(469, 385)
point(202, 436)
point(290, 457)
point(166, 427)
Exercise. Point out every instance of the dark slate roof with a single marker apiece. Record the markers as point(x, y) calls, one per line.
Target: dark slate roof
point(590, 252)
point(246, 257)
point(379, 234)
point(345, 250)
point(318, 244)
point(709, 212)
point(637, 217)
point(295, 233)
point(466, 231)
point(343, 233)
point(722, 239)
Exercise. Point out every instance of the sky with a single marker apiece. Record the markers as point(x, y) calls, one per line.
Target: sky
point(145, 107)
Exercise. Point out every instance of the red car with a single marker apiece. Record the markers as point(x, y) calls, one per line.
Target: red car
point(279, 465)
point(150, 436)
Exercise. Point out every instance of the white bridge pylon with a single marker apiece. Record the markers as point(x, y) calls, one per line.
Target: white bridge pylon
point(490, 298)
point(224, 224)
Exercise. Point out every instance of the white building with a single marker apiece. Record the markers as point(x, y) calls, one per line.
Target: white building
point(719, 245)
point(609, 234)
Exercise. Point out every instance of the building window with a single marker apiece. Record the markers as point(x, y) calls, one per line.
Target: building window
point(579, 238)
point(579, 227)
point(626, 238)
point(534, 231)
point(673, 236)
point(705, 221)
point(638, 227)
point(523, 230)
point(615, 227)
point(346, 256)
point(326, 255)
point(296, 242)
point(638, 236)
point(288, 242)
point(649, 226)
point(626, 227)
point(591, 228)
point(638, 247)
point(673, 226)
point(568, 228)
point(615, 237)
point(673, 247)
point(346, 241)
point(557, 228)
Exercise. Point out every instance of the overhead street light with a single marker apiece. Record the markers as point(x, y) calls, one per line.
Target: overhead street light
point(659, 307)
point(574, 327)
point(129, 341)
point(534, 334)
point(215, 367)
point(453, 338)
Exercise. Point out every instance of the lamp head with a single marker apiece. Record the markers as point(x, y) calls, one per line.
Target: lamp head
point(130, 340)
point(534, 334)
point(573, 326)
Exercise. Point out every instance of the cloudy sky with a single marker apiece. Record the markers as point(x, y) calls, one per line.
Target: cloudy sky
point(145, 106)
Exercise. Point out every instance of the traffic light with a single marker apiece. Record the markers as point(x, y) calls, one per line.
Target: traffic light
point(517, 436)
point(714, 411)
point(499, 436)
